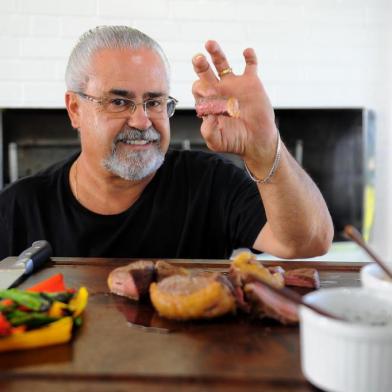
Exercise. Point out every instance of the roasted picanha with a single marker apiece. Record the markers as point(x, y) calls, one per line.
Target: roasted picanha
point(193, 296)
point(217, 106)
point(132, 280)
point(181, 294)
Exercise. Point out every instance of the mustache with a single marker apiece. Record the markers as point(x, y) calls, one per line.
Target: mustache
point(129, 134)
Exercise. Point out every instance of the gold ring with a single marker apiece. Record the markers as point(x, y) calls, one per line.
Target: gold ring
point(225, 71)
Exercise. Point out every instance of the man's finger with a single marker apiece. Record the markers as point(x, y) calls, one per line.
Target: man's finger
point(203, 69)
point(201, 88)
point(210, 133)
point(218, 58)
point(251, 61)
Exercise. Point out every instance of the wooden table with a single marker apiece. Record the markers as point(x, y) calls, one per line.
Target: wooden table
point(114, 351)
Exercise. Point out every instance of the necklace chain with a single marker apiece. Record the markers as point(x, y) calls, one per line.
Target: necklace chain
point(76, 180)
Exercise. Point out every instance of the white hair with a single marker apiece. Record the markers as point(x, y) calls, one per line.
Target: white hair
point(104, 37)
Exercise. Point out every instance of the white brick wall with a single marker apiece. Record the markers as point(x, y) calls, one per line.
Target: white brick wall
point(308, 49)
point(312, 53)
point(44, 26)
point(62, 7)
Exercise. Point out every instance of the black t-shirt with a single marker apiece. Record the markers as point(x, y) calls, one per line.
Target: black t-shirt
point(198, 205)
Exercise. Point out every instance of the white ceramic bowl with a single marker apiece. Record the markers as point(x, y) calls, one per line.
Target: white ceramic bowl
point(373, 277)
point(350, 356)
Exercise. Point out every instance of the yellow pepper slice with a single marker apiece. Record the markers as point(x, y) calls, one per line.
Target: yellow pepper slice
point(58, 332)
point(78, 302)
point(56, 309)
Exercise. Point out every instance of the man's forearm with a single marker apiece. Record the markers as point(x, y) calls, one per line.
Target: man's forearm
point(299, 223)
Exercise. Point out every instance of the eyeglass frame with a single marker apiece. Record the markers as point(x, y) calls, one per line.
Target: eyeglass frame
point(102, 101)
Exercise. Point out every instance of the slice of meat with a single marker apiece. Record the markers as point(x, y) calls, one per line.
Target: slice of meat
point(132, 280)
point(195, 296)
point(302, 277)
point(265, 303)
point(246, 269)
point(217, 106)
point(241, 300)
point(164, 269)
point(278, 273)
point(277, 269)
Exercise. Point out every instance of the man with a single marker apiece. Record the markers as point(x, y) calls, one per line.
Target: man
point(125, 195)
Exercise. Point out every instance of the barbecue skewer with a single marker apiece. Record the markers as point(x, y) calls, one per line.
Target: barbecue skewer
point(293, 297)
point(352, 233)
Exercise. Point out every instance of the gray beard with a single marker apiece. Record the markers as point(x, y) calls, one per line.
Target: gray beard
point(135, 166)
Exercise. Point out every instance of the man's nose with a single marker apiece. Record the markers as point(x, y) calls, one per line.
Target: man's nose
point(139, 119)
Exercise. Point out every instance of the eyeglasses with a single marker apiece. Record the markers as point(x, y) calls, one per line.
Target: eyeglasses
point(153, 108)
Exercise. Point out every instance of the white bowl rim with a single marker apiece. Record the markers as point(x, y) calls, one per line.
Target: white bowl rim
point(372, 276)
point(350, 327)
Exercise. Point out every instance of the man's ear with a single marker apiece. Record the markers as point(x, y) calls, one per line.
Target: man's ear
point(72, 104)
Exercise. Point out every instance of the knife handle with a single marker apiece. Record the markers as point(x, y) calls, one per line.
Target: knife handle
point(35, 256)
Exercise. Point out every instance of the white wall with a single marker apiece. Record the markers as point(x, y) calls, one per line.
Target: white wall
point(383, 228)
point(313, 53)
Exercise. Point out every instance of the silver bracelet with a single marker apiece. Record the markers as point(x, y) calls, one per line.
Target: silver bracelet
point(274, 165)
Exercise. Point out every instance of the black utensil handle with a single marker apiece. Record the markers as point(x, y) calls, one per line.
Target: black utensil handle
point(35, 256)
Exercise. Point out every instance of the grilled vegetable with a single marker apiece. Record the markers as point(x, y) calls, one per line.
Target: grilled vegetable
point(78, 302)
point(58, 332)
point(54, 284)
point(5, 326)
point(30, 319)
point(32, 301)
